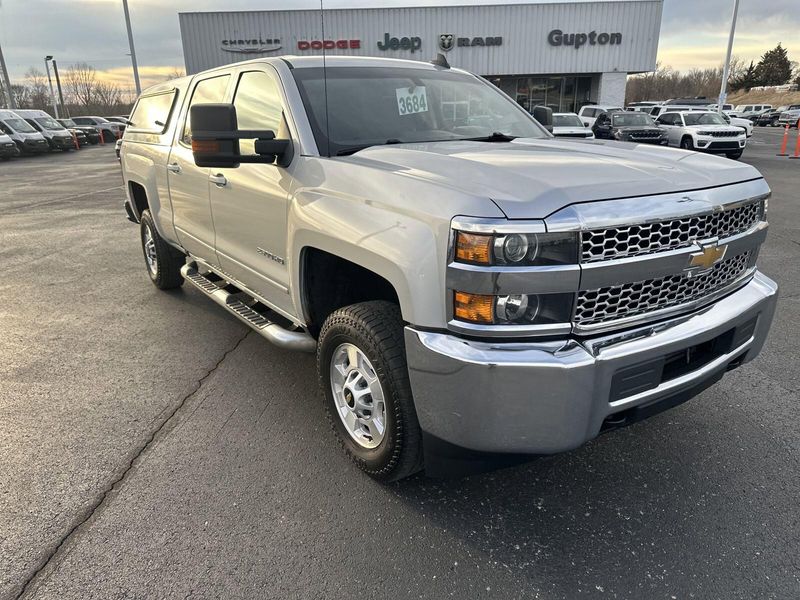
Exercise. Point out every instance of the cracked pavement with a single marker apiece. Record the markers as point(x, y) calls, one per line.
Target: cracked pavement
point(150, 447)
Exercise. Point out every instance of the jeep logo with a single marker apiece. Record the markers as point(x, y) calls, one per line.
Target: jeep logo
point(405, 43)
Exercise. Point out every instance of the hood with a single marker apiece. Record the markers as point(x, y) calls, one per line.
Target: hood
point(31, 136)
point(715, 127)
point(576, 129)
point(533, 178)
point(627, 128)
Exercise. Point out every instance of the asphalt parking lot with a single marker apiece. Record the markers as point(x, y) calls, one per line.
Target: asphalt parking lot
point(150, 447)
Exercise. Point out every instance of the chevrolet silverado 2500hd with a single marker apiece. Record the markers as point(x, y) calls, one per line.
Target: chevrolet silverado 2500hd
point(471, 285)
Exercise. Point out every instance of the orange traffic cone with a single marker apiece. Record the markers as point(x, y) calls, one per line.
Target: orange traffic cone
point(785, 142)
point(797, 146)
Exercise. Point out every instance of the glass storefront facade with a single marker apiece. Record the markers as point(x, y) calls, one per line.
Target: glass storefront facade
point(562, 93)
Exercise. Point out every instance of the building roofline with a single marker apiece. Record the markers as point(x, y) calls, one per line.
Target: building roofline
point(414, 7)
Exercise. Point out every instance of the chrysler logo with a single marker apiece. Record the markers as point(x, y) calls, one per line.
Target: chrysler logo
point(710, 254)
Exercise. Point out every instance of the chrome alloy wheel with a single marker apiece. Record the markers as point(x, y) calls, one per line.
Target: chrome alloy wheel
point(358, 395)
point(150, 250)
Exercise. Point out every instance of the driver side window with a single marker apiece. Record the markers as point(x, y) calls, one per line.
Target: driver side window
point(207, 91)
point(259, 107)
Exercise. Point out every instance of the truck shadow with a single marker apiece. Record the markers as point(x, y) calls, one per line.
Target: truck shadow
point(627, 510)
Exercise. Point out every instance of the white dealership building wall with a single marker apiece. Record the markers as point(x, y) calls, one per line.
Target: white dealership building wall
point(528, 50)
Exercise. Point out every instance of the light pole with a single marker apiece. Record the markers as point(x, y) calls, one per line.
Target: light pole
point(60, 93)
point(47, 60)
point(7, 82)
point(723, 90)
point(133, 51)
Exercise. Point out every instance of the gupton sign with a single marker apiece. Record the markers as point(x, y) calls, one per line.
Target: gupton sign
point(576, 40)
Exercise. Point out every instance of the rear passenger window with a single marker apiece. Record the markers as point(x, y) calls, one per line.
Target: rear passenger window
point(208, 91)
point(258, 107)
point(151, 113)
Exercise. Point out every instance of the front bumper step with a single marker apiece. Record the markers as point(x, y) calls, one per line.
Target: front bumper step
point(246, 309)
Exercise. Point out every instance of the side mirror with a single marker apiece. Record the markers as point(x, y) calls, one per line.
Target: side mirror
point(585, 124)
point(544, 115)
point(215, 139)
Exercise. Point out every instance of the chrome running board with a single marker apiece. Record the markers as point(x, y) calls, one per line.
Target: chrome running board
point(233, 302)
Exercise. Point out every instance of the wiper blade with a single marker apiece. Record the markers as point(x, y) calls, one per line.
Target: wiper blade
point(354, 149)
point(495, 137)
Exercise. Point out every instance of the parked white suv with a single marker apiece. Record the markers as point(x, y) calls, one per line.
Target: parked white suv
point(704, 131)
point(590, 112)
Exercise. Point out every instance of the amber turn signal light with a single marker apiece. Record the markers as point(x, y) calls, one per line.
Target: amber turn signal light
point(205, 146)
point(474, 308)
point(474, 248)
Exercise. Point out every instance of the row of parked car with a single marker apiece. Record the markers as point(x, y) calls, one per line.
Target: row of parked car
point(764, 115)
point(36, 132)
point(690, 128)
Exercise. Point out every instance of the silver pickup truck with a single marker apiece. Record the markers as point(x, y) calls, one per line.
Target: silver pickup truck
point(473, 287)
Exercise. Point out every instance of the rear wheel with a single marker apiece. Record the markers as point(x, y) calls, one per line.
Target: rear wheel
point(361, 363)
point(687, 144)
point(163, 262)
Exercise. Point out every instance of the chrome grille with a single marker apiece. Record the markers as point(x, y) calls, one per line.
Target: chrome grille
point(630, 299)
point(635, 240)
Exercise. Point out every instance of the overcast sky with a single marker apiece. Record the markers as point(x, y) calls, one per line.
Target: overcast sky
point(693, 33)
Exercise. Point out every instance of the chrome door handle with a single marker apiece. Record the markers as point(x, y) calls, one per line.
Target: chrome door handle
point(218, 180)
point(174, 168)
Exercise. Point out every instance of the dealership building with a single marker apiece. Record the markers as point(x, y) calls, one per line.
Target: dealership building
point(559, 54)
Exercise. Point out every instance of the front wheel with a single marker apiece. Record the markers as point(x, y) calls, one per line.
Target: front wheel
point(162, 260)
point(361, 364)
point(735, 155)
point(687, 144)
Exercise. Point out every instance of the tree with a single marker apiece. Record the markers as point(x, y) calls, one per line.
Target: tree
point(747, 78)
point(81, 82)
point(774, 68)
point(38, 95)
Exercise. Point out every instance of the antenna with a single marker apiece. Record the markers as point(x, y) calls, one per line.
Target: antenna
point(325, 81)
point(439, 61)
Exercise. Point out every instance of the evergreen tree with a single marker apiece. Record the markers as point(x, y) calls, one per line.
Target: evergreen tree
point(774, 68)
point(746, 79)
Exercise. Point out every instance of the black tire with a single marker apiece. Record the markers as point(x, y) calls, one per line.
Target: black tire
point(376, 329)
point(735, 155)
point(687, 143)
point(5, 158)
point(168, 261)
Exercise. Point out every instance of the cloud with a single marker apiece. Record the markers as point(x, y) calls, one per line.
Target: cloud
point(694, 32)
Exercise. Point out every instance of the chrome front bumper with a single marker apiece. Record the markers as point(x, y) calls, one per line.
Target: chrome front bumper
point(548, 397)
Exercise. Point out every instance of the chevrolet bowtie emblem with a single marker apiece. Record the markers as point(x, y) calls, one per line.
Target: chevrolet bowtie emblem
point(710, 254)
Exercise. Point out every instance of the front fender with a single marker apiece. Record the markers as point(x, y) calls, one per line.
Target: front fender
point(409, 252)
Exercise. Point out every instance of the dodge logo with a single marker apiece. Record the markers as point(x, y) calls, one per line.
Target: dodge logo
point(446, 41)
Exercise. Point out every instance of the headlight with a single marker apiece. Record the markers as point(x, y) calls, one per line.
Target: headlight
point(513, 309)
point(516, 249)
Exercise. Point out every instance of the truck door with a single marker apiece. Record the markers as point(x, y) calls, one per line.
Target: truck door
point(249, 202)
point(188, 183)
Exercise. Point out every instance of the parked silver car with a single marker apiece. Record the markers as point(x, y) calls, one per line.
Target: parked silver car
point(470, 284)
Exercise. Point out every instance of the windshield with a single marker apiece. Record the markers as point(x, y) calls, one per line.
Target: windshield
point(703, 119)
point(20, 125)
point(567, 121)
point(67, 122)
point(628, 119)
point(49, 123)
point(376, 105)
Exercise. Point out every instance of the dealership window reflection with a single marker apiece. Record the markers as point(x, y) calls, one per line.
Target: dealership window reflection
point(562, 93)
